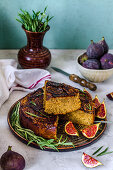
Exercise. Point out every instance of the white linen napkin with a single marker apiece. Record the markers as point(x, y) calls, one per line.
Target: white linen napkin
point(12, 78)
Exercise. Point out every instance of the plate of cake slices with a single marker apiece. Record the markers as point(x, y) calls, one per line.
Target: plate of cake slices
point(39, 118)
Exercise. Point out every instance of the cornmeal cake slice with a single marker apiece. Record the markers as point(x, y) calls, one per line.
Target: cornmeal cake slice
point(86, 114)
point(60, 98)
point(33, 116)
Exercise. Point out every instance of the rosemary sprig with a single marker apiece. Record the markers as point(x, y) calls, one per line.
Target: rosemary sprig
point(97, 150)
point(103, 152)
point(30, 136)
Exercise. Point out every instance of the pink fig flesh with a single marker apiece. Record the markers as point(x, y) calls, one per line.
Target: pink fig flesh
point(96, 102)
point(89, 161)
point(70, 129)
point(90, 131)
point(101, 111)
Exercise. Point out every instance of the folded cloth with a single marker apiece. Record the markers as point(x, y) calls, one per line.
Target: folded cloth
point(12, 78)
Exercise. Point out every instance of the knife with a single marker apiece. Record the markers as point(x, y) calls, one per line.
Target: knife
point(77, 79)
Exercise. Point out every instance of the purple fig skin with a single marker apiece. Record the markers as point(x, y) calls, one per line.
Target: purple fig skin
point(104, 45)
point(11, 160)
point(110, 96)
point(95, 50)
point(91, 64)
point(107, 61)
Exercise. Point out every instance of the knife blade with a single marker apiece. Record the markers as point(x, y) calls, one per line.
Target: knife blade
point(77, 79)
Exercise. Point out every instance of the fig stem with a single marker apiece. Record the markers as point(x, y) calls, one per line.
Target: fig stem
point(91, 41)
point(103, 38)
point(9, 148)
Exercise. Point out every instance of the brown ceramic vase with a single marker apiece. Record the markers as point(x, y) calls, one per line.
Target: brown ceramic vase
point(34, 55)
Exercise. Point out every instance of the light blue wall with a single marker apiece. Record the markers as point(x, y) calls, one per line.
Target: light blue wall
point(75, 22)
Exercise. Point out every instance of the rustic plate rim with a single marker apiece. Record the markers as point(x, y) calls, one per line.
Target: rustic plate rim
point(61, 149)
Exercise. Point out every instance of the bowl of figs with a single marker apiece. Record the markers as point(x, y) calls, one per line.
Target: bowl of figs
point(96, 64)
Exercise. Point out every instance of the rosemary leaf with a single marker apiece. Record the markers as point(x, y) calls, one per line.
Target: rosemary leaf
point(43, 114)
point(97, 150)
point(103, 152)
point(33, 103)
point(82, 95)
point(31, 114)
point(82, 91)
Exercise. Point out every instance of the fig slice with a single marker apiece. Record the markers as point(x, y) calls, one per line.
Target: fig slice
point(101, 111)
point(110, 96)
point(96, 102)
point(89, 161)
point(90, 131)
point(87, 94)
point(70, 129)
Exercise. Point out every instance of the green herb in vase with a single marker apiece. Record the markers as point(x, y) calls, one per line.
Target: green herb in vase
point(37, 22)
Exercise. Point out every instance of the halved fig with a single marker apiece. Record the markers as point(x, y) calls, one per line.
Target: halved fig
point(90, 131)
point(110, 96)
point(89, 161)
point(70, 129)
point(101, 111)
point(87, 94)
point(96, 102)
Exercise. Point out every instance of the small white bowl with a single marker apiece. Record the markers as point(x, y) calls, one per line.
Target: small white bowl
point(93, 74)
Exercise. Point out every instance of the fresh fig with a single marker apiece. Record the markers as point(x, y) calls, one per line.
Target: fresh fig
point(90, 131)
point(104, 45)
point(89, 161)
point(101, 111)
point(96, 102)
point(95, 50)
point(11, 160)
point(110, 96)
point(82, 58)
point(87, 94)
point(70, 129)
point(107, 61)
point(91, 64)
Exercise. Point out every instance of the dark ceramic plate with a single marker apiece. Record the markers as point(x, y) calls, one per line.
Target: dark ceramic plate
point(79, 142)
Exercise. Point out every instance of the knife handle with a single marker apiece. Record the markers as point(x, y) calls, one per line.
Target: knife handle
point(82, 82)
